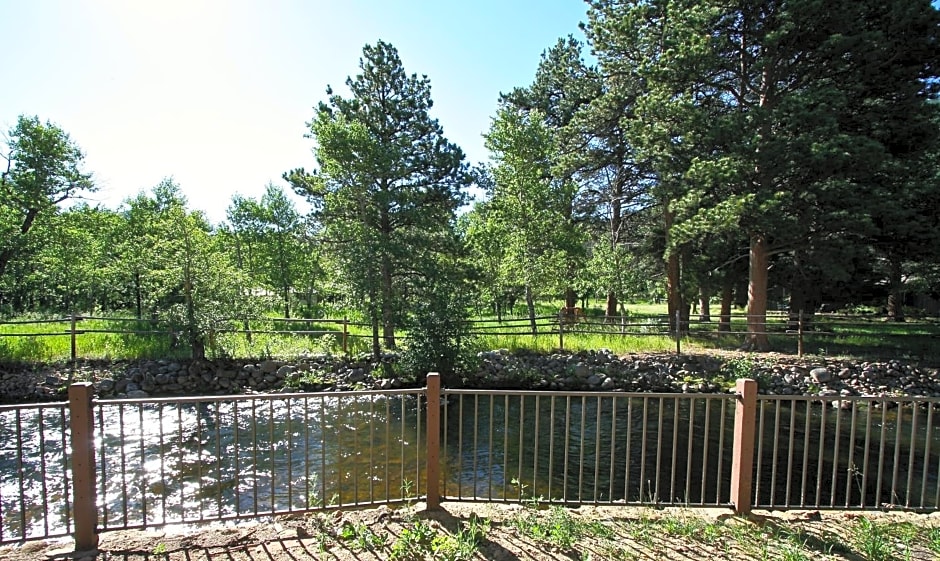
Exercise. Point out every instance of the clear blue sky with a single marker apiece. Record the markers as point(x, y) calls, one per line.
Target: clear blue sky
point(217, 93)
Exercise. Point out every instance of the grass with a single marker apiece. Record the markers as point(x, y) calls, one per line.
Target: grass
point(859, 337)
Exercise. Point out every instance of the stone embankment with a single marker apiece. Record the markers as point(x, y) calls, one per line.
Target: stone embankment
point(586, 370)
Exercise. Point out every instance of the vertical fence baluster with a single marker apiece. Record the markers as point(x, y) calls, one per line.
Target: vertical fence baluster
point(881, 453)
point(460, 447)
point(613, 447)
point(835, 455)
point(923, 481)
point(236, 456)
point(659, 447)
point(822, 451)
point(476, 445)
point(597, 449)
point(142, 472)
point(372, 443)
point(790, 451)
point(489, 454)
point(105, 471)
point(809, 415)
point(708, 417)
point(851, 461)
point(864, 489)
point(675, 448)
point(506, 441)
point(627, 463)
point(564, 484)
point(581, 449)
point(289, 427)
point(759, 438)
point(688, 453)
point(42, 472)
point(551, 446)
point(324, 500)
point(773, 471)
point(911, 454)
point(643, 447)
point(721, 447)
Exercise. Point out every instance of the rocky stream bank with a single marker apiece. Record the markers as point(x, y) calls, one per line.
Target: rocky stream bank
point(586, 370)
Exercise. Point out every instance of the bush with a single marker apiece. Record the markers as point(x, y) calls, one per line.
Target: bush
point(438, 339)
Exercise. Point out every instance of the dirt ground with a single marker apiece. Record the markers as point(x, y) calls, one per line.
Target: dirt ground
point(521, 532)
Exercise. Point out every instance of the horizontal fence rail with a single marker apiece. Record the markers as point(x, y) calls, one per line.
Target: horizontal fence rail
point(812, 332)
point(847, 453)
point(587, 447)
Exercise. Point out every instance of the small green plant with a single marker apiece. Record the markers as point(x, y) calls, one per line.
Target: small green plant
point(558, 527)
point(415, 542)
point(160, 550)
point(463, 545)
point(361, 536)
point(532, 501)
point(872, 540)
point(933, 540)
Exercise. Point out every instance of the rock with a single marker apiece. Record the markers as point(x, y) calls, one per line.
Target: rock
point(269, 366)
point(137, 394)
point(820, 375)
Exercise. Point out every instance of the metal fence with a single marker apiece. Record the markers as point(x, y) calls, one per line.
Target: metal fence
point(88, 465)
point(35, 470)
point(588, 447)
point(847, 453)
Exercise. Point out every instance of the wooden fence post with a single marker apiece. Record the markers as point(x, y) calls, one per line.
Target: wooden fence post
point(434, 441)
point(742, 460)
point(84, 508)
point(678, 333)
point(799, 327)
point(345, 335)
point(561, 333)
point(72, 332)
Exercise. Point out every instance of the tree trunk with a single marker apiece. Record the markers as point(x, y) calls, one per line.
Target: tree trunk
point(610, 309)
point(895, 297)
point(727, 299)
point(530, 305)
point(388, 312)
point(673, 288)
point(287, 302)
point(757, 295)
point(374, 319)
point(705, 313)
point(802, 307)
point(571, 298)
point(138, 298)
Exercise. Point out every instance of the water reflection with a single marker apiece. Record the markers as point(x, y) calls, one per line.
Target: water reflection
point(188, 460)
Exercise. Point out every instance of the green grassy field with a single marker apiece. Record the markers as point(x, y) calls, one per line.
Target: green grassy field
point(645, 330)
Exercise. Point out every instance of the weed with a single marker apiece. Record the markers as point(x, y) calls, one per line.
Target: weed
point(872, 540)
point(160, 551)
point(362, 536)
point(414, 543)
point(559, 527)
point(933, 540)
point(464, 544)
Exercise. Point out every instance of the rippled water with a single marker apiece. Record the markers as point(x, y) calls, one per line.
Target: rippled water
point(187, 460)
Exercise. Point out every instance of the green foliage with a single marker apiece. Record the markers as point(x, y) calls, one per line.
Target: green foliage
point(387, 223)
point(438, 332)
point(463, 545)
point(872, 540)
point(414, 542)
point(361, 536)
point(559, 528)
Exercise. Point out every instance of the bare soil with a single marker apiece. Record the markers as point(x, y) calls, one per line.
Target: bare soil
point(593, 532)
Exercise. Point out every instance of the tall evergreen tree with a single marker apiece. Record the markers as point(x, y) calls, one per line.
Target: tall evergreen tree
point(387, 186)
